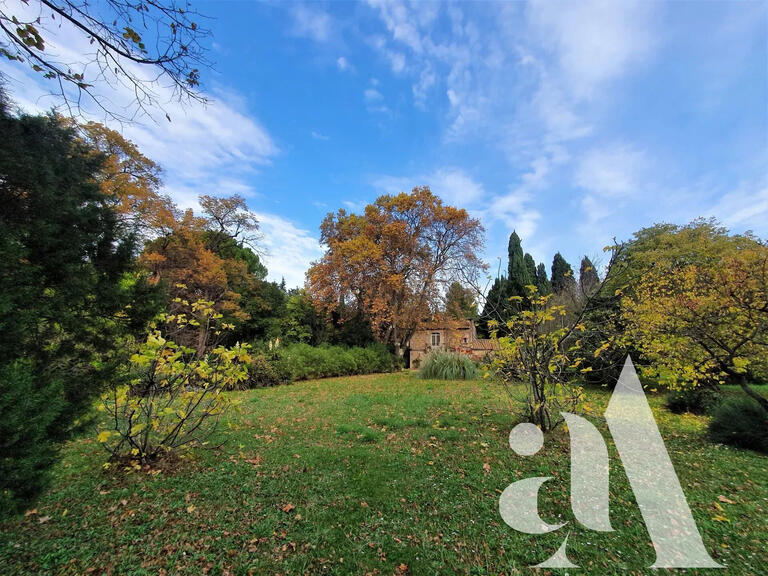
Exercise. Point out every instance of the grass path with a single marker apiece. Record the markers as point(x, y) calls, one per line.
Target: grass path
point(370, 475)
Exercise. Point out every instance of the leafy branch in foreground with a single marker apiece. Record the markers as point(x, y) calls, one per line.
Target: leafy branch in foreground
point(133, 45)
point(173, 398)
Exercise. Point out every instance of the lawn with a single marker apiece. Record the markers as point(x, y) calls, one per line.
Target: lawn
point(370, 475)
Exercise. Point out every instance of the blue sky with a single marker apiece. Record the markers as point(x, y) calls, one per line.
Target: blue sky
point(569, 122)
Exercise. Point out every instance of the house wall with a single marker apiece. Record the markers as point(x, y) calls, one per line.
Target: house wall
point(450, 340)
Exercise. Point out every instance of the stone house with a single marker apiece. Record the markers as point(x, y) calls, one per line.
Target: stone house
point(449, 335)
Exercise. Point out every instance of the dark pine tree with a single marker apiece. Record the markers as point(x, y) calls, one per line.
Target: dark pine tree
point(589, 281)
point(542, 282)
point(530, 265)
point(518, 275)
point(495, 307)
point(562, 274)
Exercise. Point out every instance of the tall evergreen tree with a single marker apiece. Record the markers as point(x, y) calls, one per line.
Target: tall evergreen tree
point(64, 287)
point(542, 282)
point(589, 281)
point(518, 275)
point(562, 274)
point(495, 306)
point(530, 265)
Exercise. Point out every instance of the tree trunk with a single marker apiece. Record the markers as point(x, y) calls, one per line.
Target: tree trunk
point(742, 380)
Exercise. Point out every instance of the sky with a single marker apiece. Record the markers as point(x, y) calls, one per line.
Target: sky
point(572, 123)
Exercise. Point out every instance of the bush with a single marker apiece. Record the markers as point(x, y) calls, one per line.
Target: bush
point(264, 373)
point(303, 362)
point(173, 397)
point(447, 366)
point(28, 413)
point(740, 422)
point(699, 400)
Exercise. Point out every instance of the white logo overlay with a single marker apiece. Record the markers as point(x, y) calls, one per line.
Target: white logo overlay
point(646, 462)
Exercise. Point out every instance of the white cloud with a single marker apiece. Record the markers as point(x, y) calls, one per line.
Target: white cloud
point(372, 95)
point(745, 208)
point(611, 171)
point(320, 136)
point(595, 40)
point(453, 185)
point(343, 64)
point(289, 249)
point(310, 21)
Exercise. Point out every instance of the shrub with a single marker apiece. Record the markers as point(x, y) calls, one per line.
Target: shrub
point(447, 366)
point(173, 397)
point(698, 400)
point(28, 415)
point(302, 361)
point(264, 373)
point(740, 422)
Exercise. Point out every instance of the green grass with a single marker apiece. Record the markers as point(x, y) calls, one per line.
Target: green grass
point(365, 474)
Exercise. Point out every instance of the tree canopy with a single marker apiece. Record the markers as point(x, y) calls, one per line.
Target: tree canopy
point(390, 260)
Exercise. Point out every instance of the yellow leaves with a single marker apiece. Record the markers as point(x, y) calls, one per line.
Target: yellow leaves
point(586, 370)
point(104, 436)
point(602, 349)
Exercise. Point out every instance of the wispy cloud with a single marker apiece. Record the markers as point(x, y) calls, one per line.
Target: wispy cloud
point(453, 185)
point(320, 136)
point(343, 64)
point(311, 21)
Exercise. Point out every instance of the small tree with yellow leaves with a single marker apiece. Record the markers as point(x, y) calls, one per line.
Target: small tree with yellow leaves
point(541, 346)
point(173, 396)
point(539, 356)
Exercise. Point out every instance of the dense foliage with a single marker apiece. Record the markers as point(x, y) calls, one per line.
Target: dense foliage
point(66, 283)
point(303, 362)
point(740, 422)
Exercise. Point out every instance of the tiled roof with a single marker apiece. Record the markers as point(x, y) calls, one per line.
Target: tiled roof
point(483, 344)
point(440, 324)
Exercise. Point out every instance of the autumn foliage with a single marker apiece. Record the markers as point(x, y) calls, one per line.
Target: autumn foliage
point(390, 261)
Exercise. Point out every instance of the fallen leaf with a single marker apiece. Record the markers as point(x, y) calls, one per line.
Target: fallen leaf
point(487, 468)
point(288, 507)
point(725, 500)
point(190, 508)
point(43, 519)
point(30, 512)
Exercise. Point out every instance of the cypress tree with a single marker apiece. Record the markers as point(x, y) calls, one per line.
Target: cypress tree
point(589, 281)
point(518, 276)
point(562, 274)
point(495, 307)
point(542, 282)
point(530, 265)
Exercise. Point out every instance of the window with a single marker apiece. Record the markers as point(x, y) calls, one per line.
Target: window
point(435, 338)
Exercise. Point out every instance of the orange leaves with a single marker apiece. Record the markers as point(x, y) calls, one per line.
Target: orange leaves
point(389, 260)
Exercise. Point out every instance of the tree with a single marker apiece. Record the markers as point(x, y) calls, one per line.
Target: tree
point(541, 347)
point(562, 275)
point(530, 265)
point(460, 302)
point(518, 270)
point(141, 46)
point(696, 305)
point(588, 278)
point(389, 261)
point(63, 301)
point(542, 282)
point(133, 181)
point(495, 307)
